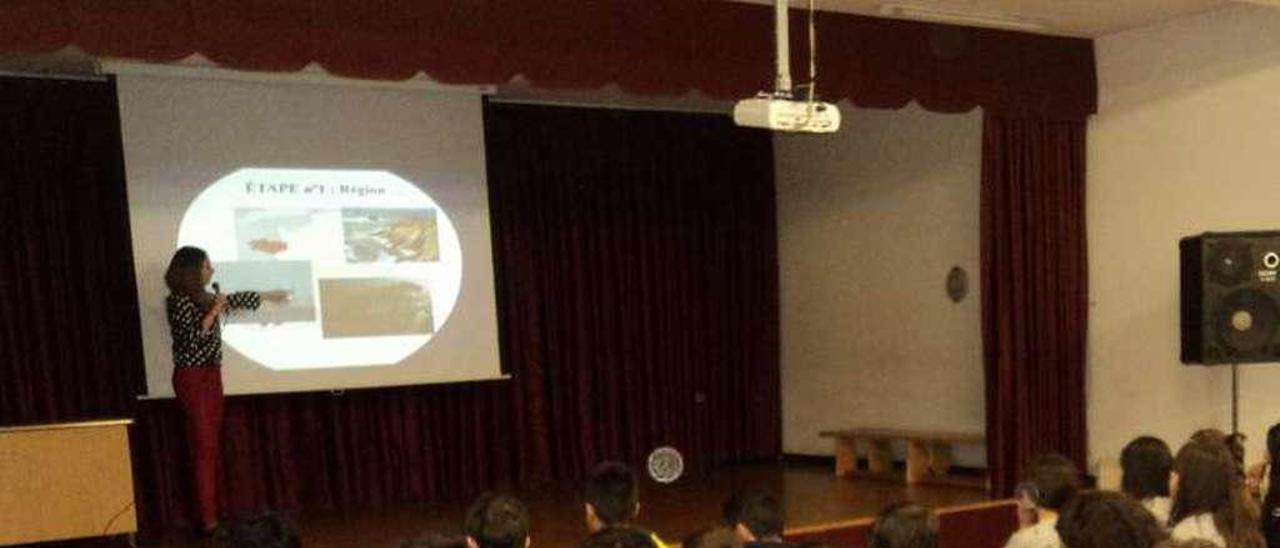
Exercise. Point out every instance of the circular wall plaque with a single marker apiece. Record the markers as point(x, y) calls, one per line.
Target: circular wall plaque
point(665, 465)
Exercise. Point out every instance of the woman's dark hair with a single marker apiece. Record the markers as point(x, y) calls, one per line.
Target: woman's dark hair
point(1103, 519)
point(1146, 462)
point(185, 275)
point(1208, 483)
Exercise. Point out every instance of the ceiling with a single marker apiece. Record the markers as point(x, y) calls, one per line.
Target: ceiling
point(1084, 18)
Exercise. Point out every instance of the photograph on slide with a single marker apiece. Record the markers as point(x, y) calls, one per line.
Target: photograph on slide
point(264, 234)
point(294, 277)
point(390, 235)
point(371, 307)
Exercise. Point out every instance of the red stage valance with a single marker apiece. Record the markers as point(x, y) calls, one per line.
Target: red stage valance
point(649, 47)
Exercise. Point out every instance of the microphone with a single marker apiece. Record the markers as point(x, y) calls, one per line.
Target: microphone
point(217, 292)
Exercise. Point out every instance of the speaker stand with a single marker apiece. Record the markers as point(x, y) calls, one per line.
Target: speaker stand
point(1235, 398)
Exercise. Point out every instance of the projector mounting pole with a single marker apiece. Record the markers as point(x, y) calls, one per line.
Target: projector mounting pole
point(1235, 398)
point(782, 37)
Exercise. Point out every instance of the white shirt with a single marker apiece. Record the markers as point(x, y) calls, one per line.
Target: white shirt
point(1160, 508)
point(1041, 535)
point(1199, 526)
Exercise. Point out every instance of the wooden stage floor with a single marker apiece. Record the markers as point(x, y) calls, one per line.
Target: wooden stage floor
point(812, 494)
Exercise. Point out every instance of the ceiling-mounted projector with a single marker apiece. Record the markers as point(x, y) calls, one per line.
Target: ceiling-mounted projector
point(780, 114)
point(781, 110)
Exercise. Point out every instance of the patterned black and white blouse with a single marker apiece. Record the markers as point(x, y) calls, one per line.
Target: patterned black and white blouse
point(191, 348)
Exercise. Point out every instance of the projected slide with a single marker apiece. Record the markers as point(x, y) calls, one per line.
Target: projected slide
point(371, 264)
point(367, 205)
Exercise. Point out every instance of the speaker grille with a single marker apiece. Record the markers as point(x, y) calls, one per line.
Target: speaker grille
point(1230, 262)
point(1245, 322)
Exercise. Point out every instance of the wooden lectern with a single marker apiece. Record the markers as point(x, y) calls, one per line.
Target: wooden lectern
point(63, 481)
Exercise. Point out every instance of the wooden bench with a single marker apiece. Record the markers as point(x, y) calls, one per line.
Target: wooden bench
point(928, 453)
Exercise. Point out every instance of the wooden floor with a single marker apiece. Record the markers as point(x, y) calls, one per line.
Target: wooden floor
point(811, 493)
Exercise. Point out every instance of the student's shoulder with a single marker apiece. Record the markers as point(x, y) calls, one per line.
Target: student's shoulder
point(1041, 535)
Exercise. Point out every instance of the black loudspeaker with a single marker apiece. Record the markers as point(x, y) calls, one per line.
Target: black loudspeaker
point(1230, 297)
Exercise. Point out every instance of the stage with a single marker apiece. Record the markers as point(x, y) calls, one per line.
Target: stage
point(813, 496)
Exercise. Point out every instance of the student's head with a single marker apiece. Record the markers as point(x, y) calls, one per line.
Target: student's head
point(904, 525)
point(716, 537)
point(1205, 481)
point(188, 271)
point(611, 495)
point(1146, 462)
point(1103, 519)
point(1202, 480)
point(755, 514)
point(618, 537)
point(1234, 443)
point(497, 521)
point(1055, 480)
point(268, 531)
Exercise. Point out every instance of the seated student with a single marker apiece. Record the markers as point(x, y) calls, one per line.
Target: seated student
point(716, 537)
point(612, 500)
point(757, 517)
point(1147, 462)
point(1209, 502)
point(1104, 519)
point(1052, 480)
point(620, 536)
point(267, 531)
point(904, 525)
point(497, 521)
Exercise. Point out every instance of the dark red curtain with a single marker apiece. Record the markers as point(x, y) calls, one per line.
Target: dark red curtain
point(1035, 291)
point(639, 279)
point(649, 47)
point(69, 336)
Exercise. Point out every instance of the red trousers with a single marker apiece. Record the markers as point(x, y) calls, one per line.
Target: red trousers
point(199, 389)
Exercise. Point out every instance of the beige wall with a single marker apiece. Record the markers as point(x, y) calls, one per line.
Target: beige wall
point(1187, 140)
point(869, 222)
